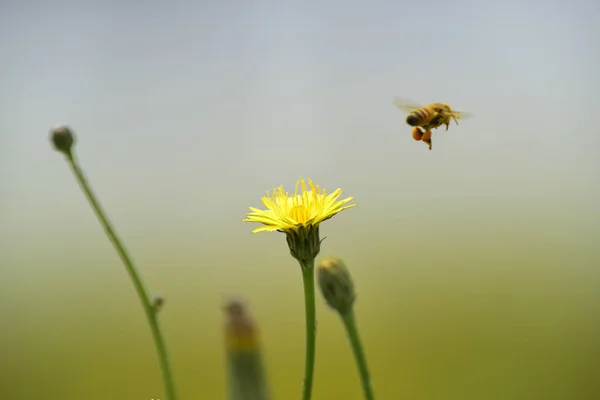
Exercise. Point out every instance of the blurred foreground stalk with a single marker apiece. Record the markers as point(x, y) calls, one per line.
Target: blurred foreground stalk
point(63, 141)
point(246, 378)
point(338, 290)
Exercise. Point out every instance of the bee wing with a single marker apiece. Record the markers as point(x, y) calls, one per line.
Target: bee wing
point(405, 104)
point(463, 114)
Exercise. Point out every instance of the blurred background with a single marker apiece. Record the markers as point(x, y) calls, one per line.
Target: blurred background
point(476, 263)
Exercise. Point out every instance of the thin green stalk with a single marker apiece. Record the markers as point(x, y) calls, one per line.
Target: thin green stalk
point(308, 276)
point(359, 354)
point(135, 277)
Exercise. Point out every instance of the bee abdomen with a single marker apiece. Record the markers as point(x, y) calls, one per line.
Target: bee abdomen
point(417, 116)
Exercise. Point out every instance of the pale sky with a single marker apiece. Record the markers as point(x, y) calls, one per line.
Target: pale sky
point(197, 108)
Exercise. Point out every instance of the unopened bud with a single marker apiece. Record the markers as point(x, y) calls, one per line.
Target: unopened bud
point(240, 329)
point(247, 378)
point(158, 302)
point(336, 284)
point(62, 138)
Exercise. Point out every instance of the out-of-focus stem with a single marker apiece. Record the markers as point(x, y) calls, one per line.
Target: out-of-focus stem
point(141, 290)
point(359, 354)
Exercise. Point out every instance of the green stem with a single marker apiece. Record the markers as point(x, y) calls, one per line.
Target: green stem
point(359, 354)
point(308, 276)
point(135, 277)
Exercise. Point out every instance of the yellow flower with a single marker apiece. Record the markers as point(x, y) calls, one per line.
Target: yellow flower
point(299, 216)
point(292, 213)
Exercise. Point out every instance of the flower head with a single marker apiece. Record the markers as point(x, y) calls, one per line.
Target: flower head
point(287, 212)
point(299, 216)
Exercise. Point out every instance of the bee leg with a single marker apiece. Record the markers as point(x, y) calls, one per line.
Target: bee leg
point(427, 138)
point(428, 142)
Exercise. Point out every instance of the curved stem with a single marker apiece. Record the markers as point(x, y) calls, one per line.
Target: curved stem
point(359, 354)
point(308, 277)
point(135, 277)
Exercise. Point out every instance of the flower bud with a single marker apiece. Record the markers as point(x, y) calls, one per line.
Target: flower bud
point(158, 302)
point(336, 284)
point(62, 138)
point(247, 378)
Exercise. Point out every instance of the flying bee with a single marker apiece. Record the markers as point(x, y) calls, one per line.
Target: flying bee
point(426, 118)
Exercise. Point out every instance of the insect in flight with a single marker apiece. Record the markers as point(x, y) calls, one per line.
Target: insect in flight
point(426, 118)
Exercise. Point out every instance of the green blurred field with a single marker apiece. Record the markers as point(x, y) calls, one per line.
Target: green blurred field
point(503, 314)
